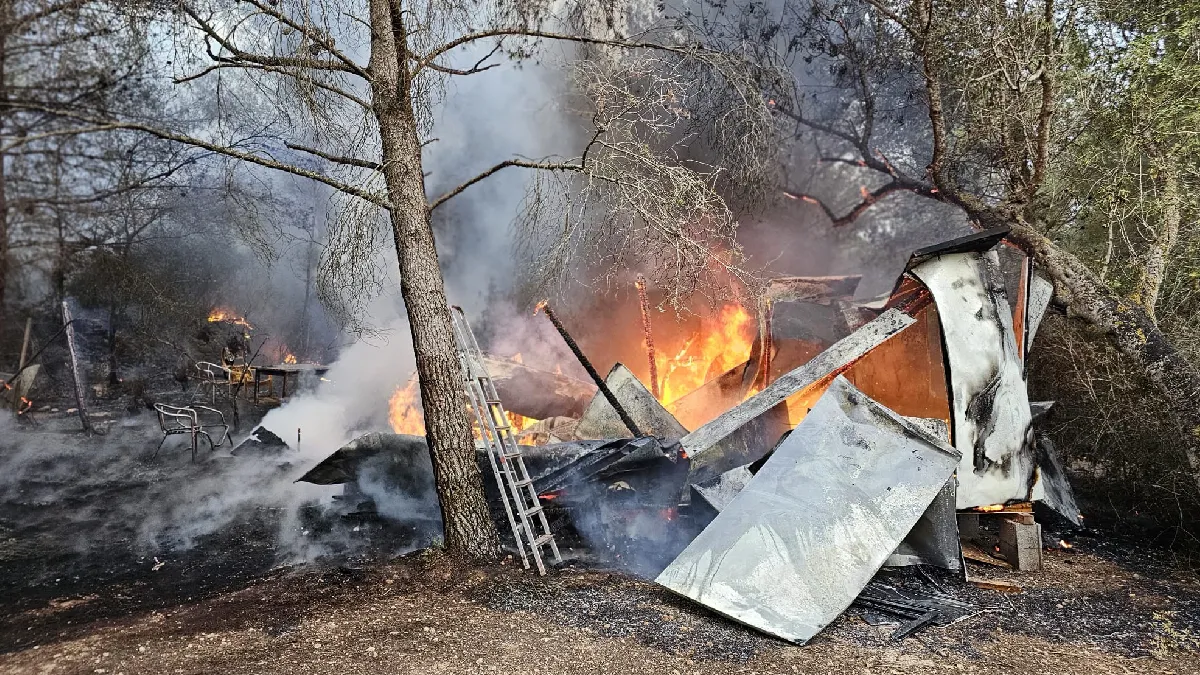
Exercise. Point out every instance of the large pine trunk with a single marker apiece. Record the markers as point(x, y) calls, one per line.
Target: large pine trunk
point(1132, 330)
point(469, 530)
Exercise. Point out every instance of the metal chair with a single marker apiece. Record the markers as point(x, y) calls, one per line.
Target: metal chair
point(173, 420)
point(214, 375)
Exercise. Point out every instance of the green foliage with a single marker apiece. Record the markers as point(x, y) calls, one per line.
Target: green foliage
point(1129, 113)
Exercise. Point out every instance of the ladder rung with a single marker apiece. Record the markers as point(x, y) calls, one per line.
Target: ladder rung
point(543, 540)
point(510, 455)
point(532, 511)
point(523, 482)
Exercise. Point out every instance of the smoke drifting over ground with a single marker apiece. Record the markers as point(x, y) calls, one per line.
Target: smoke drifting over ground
point(162, 508)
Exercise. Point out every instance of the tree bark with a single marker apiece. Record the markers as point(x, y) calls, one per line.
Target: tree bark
point(1130, 327)
point(5, 13)
point(1155, 268)
point(469, 530)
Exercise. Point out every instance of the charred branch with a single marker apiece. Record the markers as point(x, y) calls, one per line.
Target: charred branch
point(591, 370)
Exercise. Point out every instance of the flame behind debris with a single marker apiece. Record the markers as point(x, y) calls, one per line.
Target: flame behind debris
point(290, 358)
point(719, 345)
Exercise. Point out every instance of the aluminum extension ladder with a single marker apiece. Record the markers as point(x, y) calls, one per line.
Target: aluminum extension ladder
point(525, 514)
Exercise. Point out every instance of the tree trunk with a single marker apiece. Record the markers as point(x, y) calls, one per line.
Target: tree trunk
point(1130, 327)
point(5, 11)
point(469, 530)
point(1151, 280)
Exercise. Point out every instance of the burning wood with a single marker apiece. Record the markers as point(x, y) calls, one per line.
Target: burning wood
point(219, 315)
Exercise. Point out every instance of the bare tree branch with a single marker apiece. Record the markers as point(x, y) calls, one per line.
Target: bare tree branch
point(250, 157)
point(264, 59)
point(272, 69)
point(548, 35)
point(349, 161)
point(323, 41)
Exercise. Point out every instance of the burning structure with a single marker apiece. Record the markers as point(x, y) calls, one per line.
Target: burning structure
point(847, 437)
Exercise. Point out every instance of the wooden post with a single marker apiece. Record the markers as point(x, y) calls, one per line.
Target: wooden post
point(16, 392)
point(25, 342)
point(80, 397)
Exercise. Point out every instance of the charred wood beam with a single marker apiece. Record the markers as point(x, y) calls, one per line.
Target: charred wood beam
point(644, 301)
point(587, 365)
point(824, 367)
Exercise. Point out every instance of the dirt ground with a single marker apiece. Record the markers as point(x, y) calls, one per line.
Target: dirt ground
point(86, 586)
point(425, 614)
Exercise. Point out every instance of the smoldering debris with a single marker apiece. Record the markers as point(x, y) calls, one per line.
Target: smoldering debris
point(720, 514)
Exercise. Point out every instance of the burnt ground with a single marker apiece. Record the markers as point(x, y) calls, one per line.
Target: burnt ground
point(94, 580)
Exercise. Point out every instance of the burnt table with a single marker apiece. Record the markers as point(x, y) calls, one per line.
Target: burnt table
point(283, 370)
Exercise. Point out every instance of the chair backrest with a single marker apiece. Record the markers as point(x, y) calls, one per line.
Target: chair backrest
point(172, 417)
point(213, 372)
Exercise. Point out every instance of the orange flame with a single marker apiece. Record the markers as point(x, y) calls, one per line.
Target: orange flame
point(721, 344)
point(404, 414)
point(228, 316)
point(290, 358)
point(518, 423)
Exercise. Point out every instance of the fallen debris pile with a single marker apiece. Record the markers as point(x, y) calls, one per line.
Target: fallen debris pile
point(854, 436)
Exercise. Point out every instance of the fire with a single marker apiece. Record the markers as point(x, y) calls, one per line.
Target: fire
point(1063, 543)
point(990, 507)
point(518, 359)
point(26, 406)
point(721, 344)
point(228, 316)
point(518, 423)
point(290, 358)
point(404, 414)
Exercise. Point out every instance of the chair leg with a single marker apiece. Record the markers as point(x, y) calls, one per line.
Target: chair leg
point(193, 445)
point(159, 448)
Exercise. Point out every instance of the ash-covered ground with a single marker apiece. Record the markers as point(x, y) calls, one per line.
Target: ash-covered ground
point(112, 562)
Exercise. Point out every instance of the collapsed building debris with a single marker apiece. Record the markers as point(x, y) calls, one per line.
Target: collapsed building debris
point(855, 435)
point(788, 559)
point(720, 445)
point(600, 420)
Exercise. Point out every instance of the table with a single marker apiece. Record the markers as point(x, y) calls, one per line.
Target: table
point(283, 370)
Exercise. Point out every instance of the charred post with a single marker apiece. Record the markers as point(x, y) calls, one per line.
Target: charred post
point(76, 379)
point(645, 305)
point(587, 365)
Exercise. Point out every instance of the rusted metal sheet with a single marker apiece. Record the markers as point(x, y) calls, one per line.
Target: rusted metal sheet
point(817, 521)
